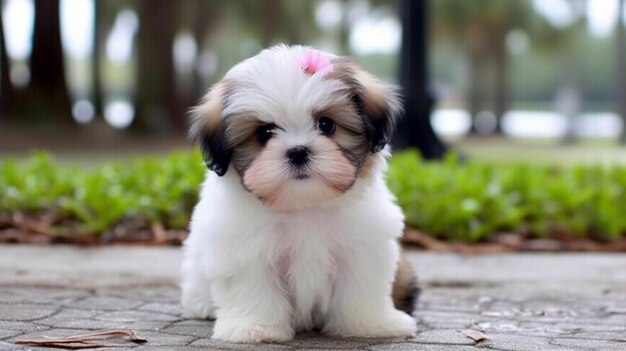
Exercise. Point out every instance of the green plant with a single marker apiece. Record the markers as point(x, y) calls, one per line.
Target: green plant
point(157, 189)
point(468, 201)
point(465, 201)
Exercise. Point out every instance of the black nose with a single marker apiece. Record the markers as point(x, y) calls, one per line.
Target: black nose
point(298, 155)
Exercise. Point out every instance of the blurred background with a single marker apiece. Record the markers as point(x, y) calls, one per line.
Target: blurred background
point(112, 76)
point(523, 100)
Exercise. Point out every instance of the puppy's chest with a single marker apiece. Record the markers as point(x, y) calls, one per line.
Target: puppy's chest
point(308, 261)
point(305, 252)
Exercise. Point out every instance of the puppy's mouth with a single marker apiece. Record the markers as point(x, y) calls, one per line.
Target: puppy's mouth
point(300, 175)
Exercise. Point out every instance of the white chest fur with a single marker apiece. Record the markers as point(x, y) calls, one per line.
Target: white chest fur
point(309, 252)
point(330, 267)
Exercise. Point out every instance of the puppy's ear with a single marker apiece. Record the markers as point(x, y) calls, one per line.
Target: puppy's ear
point(379, 103)
point(207, 129)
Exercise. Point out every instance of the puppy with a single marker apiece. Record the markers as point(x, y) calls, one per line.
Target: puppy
point(296, 229)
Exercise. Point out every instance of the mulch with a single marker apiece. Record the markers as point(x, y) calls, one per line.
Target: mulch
point(510, 242)
point(24, 228)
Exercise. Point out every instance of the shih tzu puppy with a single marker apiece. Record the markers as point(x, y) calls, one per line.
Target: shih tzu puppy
point(296, 229)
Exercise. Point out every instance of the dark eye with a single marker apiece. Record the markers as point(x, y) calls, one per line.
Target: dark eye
point(326, 125)
point(264, 133)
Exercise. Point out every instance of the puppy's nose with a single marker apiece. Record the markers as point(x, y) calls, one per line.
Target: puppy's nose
point(298, 155)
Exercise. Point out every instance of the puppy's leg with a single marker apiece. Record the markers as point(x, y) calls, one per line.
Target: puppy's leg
point(196, 290)
point(252, 308)
point(361, 305)
point(405, 290)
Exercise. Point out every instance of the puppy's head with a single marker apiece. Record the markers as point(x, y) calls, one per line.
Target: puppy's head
point(298, 126)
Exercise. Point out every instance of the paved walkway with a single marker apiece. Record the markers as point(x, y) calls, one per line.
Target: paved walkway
point(520, 301)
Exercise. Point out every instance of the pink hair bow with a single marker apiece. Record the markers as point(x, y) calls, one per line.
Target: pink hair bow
point(312, 61)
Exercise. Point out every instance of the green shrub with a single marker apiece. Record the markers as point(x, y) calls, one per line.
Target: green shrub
point(469, 201)
point(449, 199)
point(158, 189)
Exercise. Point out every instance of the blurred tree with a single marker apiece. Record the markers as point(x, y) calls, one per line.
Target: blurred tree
point(482, 27)
point(6, 87)
point(158, 109)
point(105, 14)
point(206, 17)
point(96, 65)
point(281, 21)
point(299, 22)
point(620, 66)
point(414, 129)
point(271, 13)
point(345, 28)
point(47, 83)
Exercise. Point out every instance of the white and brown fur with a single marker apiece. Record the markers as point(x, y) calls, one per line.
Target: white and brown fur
point(301, 234)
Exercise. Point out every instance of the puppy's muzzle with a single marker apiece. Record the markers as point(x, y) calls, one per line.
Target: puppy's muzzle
point(298, 156)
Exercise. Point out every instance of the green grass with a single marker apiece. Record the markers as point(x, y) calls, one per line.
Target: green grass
point(159, 189)
point(450, 200)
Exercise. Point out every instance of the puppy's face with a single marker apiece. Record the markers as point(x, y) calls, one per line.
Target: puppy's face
point(298, 126)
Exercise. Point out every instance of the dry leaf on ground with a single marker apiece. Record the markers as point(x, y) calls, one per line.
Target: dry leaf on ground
point(84, 341)
point(475, 335)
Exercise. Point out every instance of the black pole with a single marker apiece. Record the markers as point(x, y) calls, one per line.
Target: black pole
point(414, 129)
point(620, 63)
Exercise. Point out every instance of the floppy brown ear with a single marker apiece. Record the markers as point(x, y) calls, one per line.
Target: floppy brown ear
point(379, 103)
point(381, 106)
point(207, 129)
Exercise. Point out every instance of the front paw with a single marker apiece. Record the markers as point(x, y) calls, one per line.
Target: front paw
point(399, 325)
point(197, 306)
point(396, 324)
point(242, 332)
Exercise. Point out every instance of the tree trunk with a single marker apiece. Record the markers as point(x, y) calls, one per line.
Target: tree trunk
point(271, 15)
point(48, 89)
point(502, 86)
point(204, 20)
point(477, 84)
point(157, 102)
point(344, 29)
point(620, 67)
point(209, 15)
point(6, 87)
point(96, 68)
point(414, 129)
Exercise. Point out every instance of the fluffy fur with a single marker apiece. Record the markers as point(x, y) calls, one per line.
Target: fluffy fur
point(276, 248)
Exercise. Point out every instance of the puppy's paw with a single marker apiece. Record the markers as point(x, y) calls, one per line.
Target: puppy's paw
point(197, 306)
point(399, 324)
point(237, 332)
point(395, 324)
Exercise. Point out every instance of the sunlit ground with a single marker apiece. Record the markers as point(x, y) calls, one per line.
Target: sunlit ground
point(536, 137)
point(503, 150)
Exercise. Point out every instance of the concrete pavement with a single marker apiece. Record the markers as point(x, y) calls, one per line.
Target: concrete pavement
point(520, 301)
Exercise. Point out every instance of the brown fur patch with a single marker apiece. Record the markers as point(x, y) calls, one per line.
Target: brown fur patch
point(381, 99)
point(367, 168)
point(344, 114)
point(207, 116)
point(240, 134)
point(379, 103)
point(405, 290)
point(234, 134)
point(350, 135)
point(207, 128)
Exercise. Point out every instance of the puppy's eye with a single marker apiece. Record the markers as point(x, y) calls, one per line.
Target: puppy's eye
point(264, 133)
point(326, 125)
